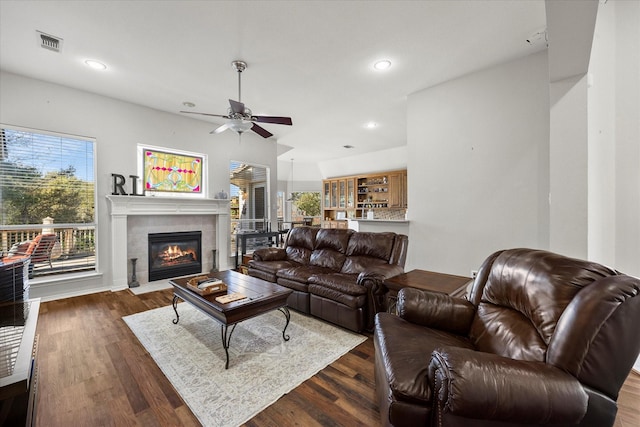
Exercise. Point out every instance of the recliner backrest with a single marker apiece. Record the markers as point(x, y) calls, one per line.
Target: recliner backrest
point(300, 243)
point(330, 248)
point(577, 315)
point(523, 296)
point(366, 249)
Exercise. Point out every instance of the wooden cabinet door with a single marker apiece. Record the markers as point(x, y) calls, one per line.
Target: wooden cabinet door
point(342, 194)
point(395, 190)
point(398, 190)
point(334, 194)
point(351, 193)
point(405, 200)
point(326, 200)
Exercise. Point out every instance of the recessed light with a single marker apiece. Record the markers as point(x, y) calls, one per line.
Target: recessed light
point(96, 65)
point(371, 125)
point(382, 65)
point(348, 146)
point(188, 104)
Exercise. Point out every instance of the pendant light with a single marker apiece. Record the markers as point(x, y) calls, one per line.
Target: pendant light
point(290, 199)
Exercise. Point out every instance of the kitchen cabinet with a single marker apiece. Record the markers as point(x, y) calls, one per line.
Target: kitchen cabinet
point(384, 194)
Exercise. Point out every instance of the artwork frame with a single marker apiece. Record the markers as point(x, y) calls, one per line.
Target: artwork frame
point(172, 171)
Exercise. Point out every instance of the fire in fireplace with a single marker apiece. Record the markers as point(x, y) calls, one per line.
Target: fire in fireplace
point(174, 254)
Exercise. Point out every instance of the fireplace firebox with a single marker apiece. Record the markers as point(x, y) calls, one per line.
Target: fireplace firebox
point(174, 254)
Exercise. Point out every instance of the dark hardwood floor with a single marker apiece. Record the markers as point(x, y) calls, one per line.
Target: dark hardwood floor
point(94, 372)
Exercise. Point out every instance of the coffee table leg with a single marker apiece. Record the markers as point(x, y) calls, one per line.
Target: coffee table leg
point(175, 308)
point(226, 340)
point(285, 311)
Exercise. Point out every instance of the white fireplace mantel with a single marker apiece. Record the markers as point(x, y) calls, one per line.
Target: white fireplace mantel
point(121, 207)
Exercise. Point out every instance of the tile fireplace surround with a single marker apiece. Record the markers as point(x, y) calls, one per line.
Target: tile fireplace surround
point(133, 217)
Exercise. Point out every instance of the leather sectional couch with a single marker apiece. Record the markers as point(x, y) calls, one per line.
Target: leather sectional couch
point(335, 274)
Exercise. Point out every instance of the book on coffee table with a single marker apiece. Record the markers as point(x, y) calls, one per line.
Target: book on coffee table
point(235, 296)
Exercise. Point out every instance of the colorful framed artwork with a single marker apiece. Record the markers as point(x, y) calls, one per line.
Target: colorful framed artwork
point(165, 171)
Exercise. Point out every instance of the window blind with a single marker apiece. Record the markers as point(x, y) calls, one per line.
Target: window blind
point(45, 175)
point(47, 186)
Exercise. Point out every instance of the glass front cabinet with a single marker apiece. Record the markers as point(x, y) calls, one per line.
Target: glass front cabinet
point(371, 196)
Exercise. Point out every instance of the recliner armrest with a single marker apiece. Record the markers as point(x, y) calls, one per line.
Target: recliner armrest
point(435, 310)
point(477, 385)
point(379, 273)
point(373, 280)
point(270, 254)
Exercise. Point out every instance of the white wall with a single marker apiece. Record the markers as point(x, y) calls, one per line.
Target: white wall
point(568, 167)
point(379, 161)
point(478, 166)
point(610, 97)
point(614, 138)
point(303, 176)
point(627, 135)
point(601, 136)
point(117, 127)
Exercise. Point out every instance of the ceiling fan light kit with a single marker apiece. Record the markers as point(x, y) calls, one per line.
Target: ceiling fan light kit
point(239, 118)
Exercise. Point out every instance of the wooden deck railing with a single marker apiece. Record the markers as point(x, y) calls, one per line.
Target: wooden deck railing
point(74, 249)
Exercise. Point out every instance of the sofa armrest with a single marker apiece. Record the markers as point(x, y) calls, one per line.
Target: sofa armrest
point(473, 384)
point(373, 280)
point(270, 254)
point(435, 310)
point(379, 273)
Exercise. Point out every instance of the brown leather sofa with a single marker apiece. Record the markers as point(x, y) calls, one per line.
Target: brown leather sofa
point(541, 340)
point(335, 274)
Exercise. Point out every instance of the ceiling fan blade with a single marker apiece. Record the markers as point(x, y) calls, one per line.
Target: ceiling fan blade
point(273, 119)
point(236, 107)
point(261, 131)
point(205, 114)
point(220, 129)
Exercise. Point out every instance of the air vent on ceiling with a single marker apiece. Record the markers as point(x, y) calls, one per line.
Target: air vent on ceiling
point(50, 42)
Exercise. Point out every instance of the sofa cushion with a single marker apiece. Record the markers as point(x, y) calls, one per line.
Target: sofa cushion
point(339, 281)
point(351, 301)
point(333, 238)
point(357, 264)
point(298, 255)
point(327, 258)
point(271, 266)
point(331, 247)
point(339, 287)
point(300, 273)
point(406, 349)
point(378, 245)
point(270, 254)
point(300, 243)
point(295, 285)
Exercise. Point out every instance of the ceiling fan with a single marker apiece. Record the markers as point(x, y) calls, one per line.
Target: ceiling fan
point(239, 118)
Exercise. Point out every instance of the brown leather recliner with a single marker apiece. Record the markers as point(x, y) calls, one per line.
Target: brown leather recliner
point(543, 339)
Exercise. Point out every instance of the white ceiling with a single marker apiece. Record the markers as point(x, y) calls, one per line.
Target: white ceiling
point(311, 60)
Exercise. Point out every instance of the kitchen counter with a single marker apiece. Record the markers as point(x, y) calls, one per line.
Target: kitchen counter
point(380, 220)
point(400, 226)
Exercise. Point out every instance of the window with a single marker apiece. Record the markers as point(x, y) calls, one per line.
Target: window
point(305, 207)
point(47, 187)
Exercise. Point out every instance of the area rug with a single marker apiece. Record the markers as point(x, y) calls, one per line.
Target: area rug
point(262, 366)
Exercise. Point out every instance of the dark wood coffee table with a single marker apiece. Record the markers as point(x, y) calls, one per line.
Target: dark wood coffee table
point(262, 296)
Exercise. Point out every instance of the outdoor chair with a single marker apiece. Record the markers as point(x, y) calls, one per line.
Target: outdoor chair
point(37, 250)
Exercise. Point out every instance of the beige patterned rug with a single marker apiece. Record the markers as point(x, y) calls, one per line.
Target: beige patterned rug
point(262, 366)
